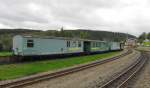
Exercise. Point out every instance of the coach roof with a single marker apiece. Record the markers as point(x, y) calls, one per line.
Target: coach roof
point(60, 38)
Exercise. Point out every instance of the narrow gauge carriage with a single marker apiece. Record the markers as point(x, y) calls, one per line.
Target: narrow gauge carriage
point(29, 45)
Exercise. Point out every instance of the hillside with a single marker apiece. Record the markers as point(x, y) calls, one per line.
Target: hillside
point(7, 34)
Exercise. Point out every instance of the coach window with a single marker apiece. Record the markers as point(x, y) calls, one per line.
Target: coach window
point(74, 43)
point(99, 44)
point(79, 44)
point(96, 44)
point(68, 43)
point(93, 44)
point(102, 44)
point(30, 43)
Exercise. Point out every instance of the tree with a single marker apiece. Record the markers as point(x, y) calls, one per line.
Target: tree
point(6, 42)
point(148, 36)
point(62, 34)
point(142, 37)
point(1, 47)
point(84, 35)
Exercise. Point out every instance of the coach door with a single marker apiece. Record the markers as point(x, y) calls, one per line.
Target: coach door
point(87, 46)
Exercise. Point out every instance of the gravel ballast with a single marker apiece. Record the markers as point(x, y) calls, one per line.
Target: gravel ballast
point(89, 78)
point(142, 80)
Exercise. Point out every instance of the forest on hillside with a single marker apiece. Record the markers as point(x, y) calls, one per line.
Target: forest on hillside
point(143, 37)
point(6, 35)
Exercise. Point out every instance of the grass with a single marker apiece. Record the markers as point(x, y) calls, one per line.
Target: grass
point(5, 54)
point(20, 70)
point(146, 43)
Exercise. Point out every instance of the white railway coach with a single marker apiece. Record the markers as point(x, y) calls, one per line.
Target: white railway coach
point(27, 45)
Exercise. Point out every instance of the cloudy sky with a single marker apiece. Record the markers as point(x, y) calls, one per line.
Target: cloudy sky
point(128, 16)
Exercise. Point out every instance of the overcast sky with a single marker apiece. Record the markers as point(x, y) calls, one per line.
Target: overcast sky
point(128, 16)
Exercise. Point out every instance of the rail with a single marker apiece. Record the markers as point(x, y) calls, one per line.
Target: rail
point(122, 79)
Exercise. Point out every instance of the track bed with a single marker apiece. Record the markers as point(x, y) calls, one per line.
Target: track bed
point(29, 81)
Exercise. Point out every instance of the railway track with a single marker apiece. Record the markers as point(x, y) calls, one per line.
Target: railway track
point(29, 81)
point(122, 80)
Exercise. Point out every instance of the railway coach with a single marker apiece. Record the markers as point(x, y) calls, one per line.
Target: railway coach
point(31, 45)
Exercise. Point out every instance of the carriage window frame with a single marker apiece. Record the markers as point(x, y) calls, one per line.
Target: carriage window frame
point(79, 43)
point(30, 43)
point(68, 43)
point(97, 44)
point(74, 43)
point(94, 44)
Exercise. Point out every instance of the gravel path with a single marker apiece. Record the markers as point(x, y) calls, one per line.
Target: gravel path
point(143, 78)
point(89, 78)
point(144, 48)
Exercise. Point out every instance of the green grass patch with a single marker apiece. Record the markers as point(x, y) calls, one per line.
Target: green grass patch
point(20, 70)
point(6, 54)
point(146, 43)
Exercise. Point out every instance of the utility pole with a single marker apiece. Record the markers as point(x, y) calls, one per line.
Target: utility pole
point(145, 36)
point(127, 35)
point(127, 38)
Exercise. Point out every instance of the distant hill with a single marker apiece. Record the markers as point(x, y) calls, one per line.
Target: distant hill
point(102, 35)
point(7, 34)
point(17, 31)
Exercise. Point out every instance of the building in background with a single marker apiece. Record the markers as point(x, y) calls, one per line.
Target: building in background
point(131, 42)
